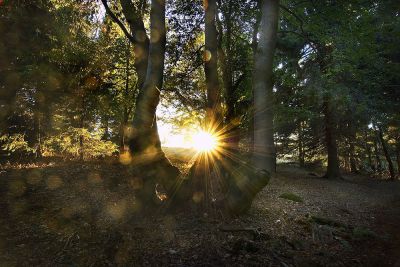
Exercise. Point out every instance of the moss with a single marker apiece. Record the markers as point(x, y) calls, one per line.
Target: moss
point(327, 221)
point(363, 233)
point(292, 197)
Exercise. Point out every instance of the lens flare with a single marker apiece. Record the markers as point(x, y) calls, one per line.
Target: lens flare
point(204, 141)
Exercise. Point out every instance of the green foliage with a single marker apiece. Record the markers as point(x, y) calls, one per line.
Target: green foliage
point(68, 144)
point(292, 197)
point(15, 143)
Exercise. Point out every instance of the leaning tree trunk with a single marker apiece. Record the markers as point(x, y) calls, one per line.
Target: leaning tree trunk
point(264, 148)
point(144, 142)
point(386, 153)
point(141, 45)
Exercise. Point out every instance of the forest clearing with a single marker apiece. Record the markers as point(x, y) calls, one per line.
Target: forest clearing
point(199, 133)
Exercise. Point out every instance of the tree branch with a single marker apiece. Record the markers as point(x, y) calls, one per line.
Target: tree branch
point(116, 20)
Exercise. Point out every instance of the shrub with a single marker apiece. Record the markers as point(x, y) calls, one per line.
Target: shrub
point(67, 144)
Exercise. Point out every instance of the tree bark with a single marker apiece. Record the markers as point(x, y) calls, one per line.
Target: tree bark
point(301, 144)
point(144, 141)
point(124, 122)
point(264, 149)
point(398, 158)
point(377, 157)
point(213, 106)
point(225, 56)
point(387, 154)
point(333, 169)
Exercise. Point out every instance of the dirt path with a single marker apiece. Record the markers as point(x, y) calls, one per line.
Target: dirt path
point(69, 214)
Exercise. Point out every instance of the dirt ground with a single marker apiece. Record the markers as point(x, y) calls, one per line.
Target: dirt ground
point(72, 214)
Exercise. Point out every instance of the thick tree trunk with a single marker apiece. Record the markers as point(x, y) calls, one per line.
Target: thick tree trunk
point(333, 169)
point(264, 148)
point(144, 142)
point(387, 154)
point(139, 39)
point(141, 140)
point(144, 139)
point(213, 108)
point(254, 45)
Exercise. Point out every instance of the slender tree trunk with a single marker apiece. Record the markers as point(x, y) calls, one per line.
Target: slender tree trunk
point(106, 127)
point(202, 169)
point(398, 158)
point(353, 163)
point(301, 145)
point(387, 154)
point(124, 122)
point(369, 156)
point(225, 57)
point(377, 157)
point(333, 169)
point(352, 153)
point(81, 125)
point(264, 150)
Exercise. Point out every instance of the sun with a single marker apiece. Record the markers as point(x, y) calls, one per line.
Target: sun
point(204, 141)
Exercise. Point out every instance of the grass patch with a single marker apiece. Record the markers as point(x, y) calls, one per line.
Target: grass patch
point(292, 197)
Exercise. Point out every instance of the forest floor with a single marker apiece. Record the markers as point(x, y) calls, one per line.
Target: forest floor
point(84, 214)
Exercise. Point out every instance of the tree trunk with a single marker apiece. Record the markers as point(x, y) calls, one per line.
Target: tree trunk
point(300, 144)
point(398, 158)
point(141, 140)
point(353, 163)
point(213, 108)
point(387, 154)
point(254, 45)
point(124, 122)
point(377, 158)
point(369, 156)
point(264, 150)
point(333, 169)
point(225, 56)
point(202, 173)
point(247, 180)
